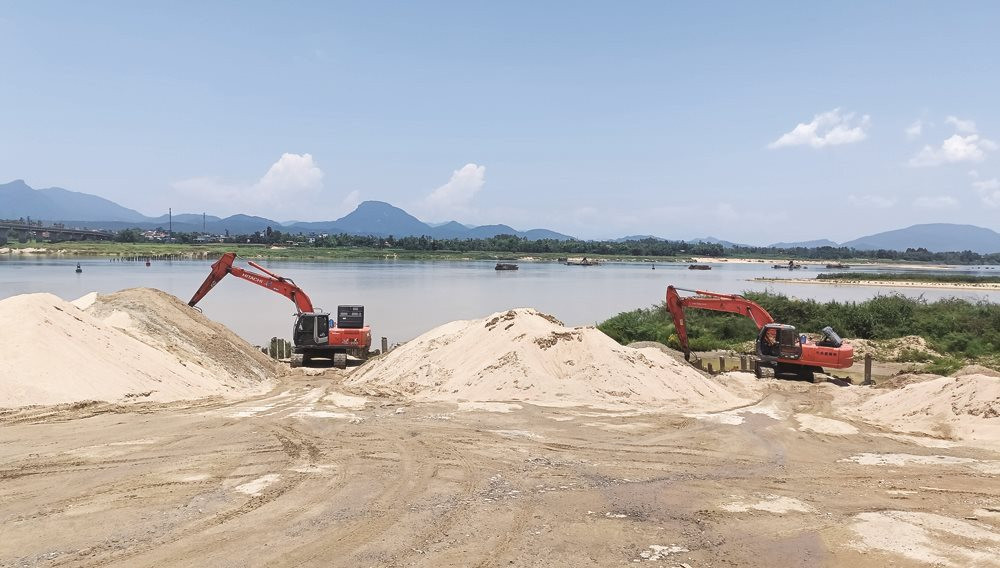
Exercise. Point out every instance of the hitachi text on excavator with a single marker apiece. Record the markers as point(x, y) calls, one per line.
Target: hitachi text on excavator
point(314, 333)
point(779, 346)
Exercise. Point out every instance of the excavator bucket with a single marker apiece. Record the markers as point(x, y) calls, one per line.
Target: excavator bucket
point(219, 271)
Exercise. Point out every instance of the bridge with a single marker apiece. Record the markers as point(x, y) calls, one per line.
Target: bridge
point(24, 230)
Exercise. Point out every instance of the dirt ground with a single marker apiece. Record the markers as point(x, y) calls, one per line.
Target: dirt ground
point(307, 476)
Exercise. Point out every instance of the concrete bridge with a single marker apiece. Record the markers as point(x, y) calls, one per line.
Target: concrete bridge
point(24, 231)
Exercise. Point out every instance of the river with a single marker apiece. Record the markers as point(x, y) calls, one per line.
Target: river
point(406, 298)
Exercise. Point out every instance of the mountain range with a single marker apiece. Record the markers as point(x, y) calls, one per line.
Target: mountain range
point(935, 237)
point(76, 209)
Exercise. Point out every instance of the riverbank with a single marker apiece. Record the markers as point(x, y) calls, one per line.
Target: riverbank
point(821, 263)
point(887, 283)
point(312, 253)
point(298, 253)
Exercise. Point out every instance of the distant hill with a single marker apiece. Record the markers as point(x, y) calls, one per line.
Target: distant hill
point(487, 231)
point(637, 238)
point(18, 199)
point(715, 241)
point(935, 237)
point(805, 244)
point(449, 230)
point(380, 218)
point(383, 219)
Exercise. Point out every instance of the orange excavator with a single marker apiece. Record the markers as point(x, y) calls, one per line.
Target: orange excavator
point(778, 345)
point(314, 335)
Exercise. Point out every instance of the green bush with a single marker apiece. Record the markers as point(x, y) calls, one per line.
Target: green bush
point(944, 365)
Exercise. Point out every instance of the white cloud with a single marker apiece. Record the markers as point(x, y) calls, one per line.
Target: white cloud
point(284, 187)
point(989, 191)
point(957, 148)
point(915, 130)
point(351, 201)
point(937, 202)
point(830, 128)
point(876, 201)
point(460, 189)
point(964, 126)
point(726, 212)
point(291, 174)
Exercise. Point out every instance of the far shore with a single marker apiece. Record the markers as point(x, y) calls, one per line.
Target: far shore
point(886, 283)
point(114, 250)
point(811, 263)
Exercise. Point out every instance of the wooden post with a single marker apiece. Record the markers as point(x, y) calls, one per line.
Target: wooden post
point(868, 369)
point(385, 345)
point(722, 364)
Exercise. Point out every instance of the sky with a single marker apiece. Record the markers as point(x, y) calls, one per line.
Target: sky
point(753, 122)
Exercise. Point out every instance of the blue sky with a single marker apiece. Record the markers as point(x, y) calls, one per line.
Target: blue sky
point(752, 122)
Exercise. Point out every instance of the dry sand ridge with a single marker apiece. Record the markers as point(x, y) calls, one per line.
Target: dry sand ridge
point(137, 344)
point(525, 355)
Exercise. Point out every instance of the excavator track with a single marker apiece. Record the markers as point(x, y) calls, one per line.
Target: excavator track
point(340, 360)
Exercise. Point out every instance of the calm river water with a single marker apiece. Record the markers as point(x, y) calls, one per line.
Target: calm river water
point(406, 298)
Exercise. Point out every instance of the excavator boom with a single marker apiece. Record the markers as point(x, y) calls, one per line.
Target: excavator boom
point(711, 301)
point(284, 286)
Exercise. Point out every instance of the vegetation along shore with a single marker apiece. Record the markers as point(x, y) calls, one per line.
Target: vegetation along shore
point(955, 331)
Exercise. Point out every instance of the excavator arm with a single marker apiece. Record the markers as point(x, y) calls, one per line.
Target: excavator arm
point(284, 286)
point(711, 301)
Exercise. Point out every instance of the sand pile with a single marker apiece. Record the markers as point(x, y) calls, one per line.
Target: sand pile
point(960, 408)
point(135, 345)
point(524, 355)
point(976, 370)
point(163, 321)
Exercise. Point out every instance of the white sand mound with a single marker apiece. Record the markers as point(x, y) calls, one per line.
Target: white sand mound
point(962, 408)
point(524, 355)
point(57, 353)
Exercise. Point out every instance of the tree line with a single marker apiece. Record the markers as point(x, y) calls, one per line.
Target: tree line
point(636, 248)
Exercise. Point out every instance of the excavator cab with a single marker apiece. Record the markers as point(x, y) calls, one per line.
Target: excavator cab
point(778, 341)
point(311, 330)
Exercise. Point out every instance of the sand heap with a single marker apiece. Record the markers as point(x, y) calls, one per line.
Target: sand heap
point(961, 408)
point(524, 355)
point(137, 344)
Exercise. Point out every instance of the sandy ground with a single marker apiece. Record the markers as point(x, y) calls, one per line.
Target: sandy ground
point(886, 284)
point(313, 475)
